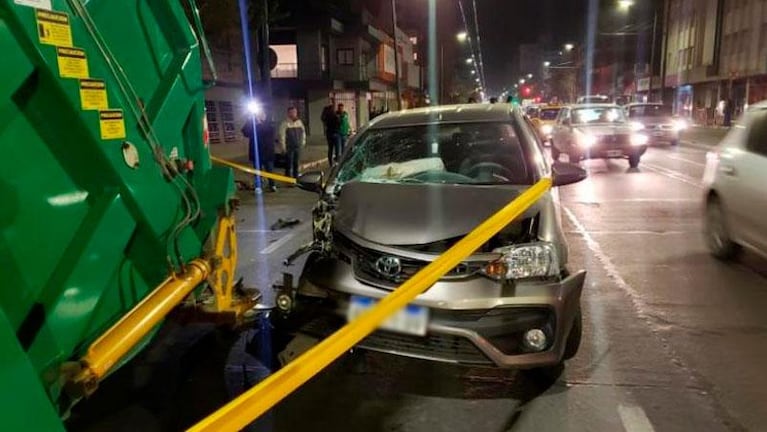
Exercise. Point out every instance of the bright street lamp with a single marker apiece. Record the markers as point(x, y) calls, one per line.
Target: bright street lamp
point(529, 76)
point(469, 60)
point(462, 36)
point(473, 72)
point(516, 85)
point(569, 47)
point(546, 64)
point(521, 80)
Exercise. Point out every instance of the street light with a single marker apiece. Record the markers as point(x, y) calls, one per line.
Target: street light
point(473, 72)
point(516, 85)
point(529, 76)
point(462, 36)
point(469, 60)
point(521, 80)
point(569, 47)
point(546, 64)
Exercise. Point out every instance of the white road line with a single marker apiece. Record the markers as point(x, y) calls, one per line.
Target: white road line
point(282, 241)
point(681, 159)
point(673, 175)
point(634, 419)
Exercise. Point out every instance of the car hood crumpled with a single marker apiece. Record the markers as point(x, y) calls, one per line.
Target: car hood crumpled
point(404, 214)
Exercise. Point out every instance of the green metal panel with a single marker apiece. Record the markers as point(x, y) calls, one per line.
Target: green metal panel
point(84, 236)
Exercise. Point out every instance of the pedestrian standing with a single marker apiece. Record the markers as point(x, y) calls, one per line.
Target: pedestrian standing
point(265, 141)
point(292, 138)
point(332, 124)
point(344, 129)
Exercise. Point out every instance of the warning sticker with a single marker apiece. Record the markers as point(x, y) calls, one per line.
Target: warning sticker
point(53, 28)
point(93, 94)
point(39, 4)
point(72, 62)
point(112, 124)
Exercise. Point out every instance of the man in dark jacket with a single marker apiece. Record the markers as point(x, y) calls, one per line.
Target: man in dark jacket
point(265, 136)
point(332, 124)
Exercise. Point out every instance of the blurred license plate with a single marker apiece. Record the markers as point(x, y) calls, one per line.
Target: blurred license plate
point(411, 319)
point(612, 153)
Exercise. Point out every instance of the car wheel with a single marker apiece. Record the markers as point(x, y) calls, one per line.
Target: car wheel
point(634, 160)
point(554, 152)
point(717, 233)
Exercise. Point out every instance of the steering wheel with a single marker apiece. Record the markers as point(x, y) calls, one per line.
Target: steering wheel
point(494, 168)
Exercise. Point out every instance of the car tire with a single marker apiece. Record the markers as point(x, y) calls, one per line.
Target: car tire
point(634, 160)
point(574, 338)
point(718, 239)
point(554, 152)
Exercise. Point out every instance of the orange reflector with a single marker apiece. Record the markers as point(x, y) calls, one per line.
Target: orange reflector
point(496, 269)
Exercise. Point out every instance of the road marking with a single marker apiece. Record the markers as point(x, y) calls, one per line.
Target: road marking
point(686, 160)
point(634, 419)
point(673, 175)
point(282, 241)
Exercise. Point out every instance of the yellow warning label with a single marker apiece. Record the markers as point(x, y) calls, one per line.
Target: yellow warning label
point(93, 94)
point(112, 124)
point(53, 28)
point(72, 62)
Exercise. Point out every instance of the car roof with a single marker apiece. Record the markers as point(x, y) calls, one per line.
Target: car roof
point(465, 113)
point(596, 105)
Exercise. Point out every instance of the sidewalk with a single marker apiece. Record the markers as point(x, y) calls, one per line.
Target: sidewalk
point(313, 155)
point(703, 136)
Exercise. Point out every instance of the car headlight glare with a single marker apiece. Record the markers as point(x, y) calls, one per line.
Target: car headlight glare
point(524, 261)
point(587, 140)
point(546, 129)
point(639, 139)
point(637, 126)
point(679, 125)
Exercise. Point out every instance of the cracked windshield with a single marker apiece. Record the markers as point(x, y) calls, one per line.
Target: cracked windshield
point(383, 215)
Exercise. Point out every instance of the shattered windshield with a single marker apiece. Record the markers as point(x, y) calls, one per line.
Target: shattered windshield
point(467, 153)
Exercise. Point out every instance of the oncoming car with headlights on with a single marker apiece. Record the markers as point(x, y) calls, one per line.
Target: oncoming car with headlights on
point(597, 131)
point(656, 121)
point(411, 185)
point(544, 123)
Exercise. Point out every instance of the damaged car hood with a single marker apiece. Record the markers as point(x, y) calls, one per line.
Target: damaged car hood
point(406, 214)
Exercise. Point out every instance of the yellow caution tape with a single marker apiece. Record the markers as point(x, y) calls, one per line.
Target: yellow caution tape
point(250, 405)
point(251, 170)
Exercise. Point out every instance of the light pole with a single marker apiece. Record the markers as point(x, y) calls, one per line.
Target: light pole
point(396, 53)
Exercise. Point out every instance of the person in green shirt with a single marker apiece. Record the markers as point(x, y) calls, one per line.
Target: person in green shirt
point(345, 128)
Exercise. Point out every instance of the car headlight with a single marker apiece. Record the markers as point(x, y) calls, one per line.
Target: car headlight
point(523, 261)
point(546, 129)
point(635, 125)
point(587, 140)
point(679, 125)
point(639, 139)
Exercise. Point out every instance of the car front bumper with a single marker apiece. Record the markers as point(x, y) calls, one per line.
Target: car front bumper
point(602, 151)
point(473, 320)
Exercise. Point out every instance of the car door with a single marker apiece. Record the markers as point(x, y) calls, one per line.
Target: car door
point(746, 173)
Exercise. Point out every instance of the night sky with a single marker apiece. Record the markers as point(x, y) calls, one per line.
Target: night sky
point(504, 24)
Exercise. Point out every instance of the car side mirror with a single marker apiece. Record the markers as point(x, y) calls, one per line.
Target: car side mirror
point(567, 173)
point(311, 181)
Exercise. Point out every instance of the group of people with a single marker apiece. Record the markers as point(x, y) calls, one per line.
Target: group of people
point(289, 139)
point(335, 120)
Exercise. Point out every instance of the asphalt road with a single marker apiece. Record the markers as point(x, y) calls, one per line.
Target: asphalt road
point(674, 340)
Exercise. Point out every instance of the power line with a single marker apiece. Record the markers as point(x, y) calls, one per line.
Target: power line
point(476, 59)
point(479, 43)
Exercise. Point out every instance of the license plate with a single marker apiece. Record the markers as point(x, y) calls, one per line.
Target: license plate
point(614, 153)
point(411, 319)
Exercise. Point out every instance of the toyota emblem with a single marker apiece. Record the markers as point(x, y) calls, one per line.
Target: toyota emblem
point(388, 266)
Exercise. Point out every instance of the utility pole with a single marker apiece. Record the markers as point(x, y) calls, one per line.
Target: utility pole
point(266, 72)
point(396, 52)
point(652, 53)
point(664, 48)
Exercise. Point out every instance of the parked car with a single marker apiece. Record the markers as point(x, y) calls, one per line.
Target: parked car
point(656, 121)
point(734, 179)
point(597, 131)
point(409, 187)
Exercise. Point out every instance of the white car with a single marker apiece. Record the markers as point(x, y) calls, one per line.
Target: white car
point(735, 178)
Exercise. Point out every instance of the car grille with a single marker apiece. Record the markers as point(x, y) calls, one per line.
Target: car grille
point(437, 347)
point(364, 264)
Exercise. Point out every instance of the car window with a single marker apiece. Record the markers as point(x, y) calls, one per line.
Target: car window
point(460, 153)
point(598, 114)
point(537, 154)
point(649, 111)
point(757, 133)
